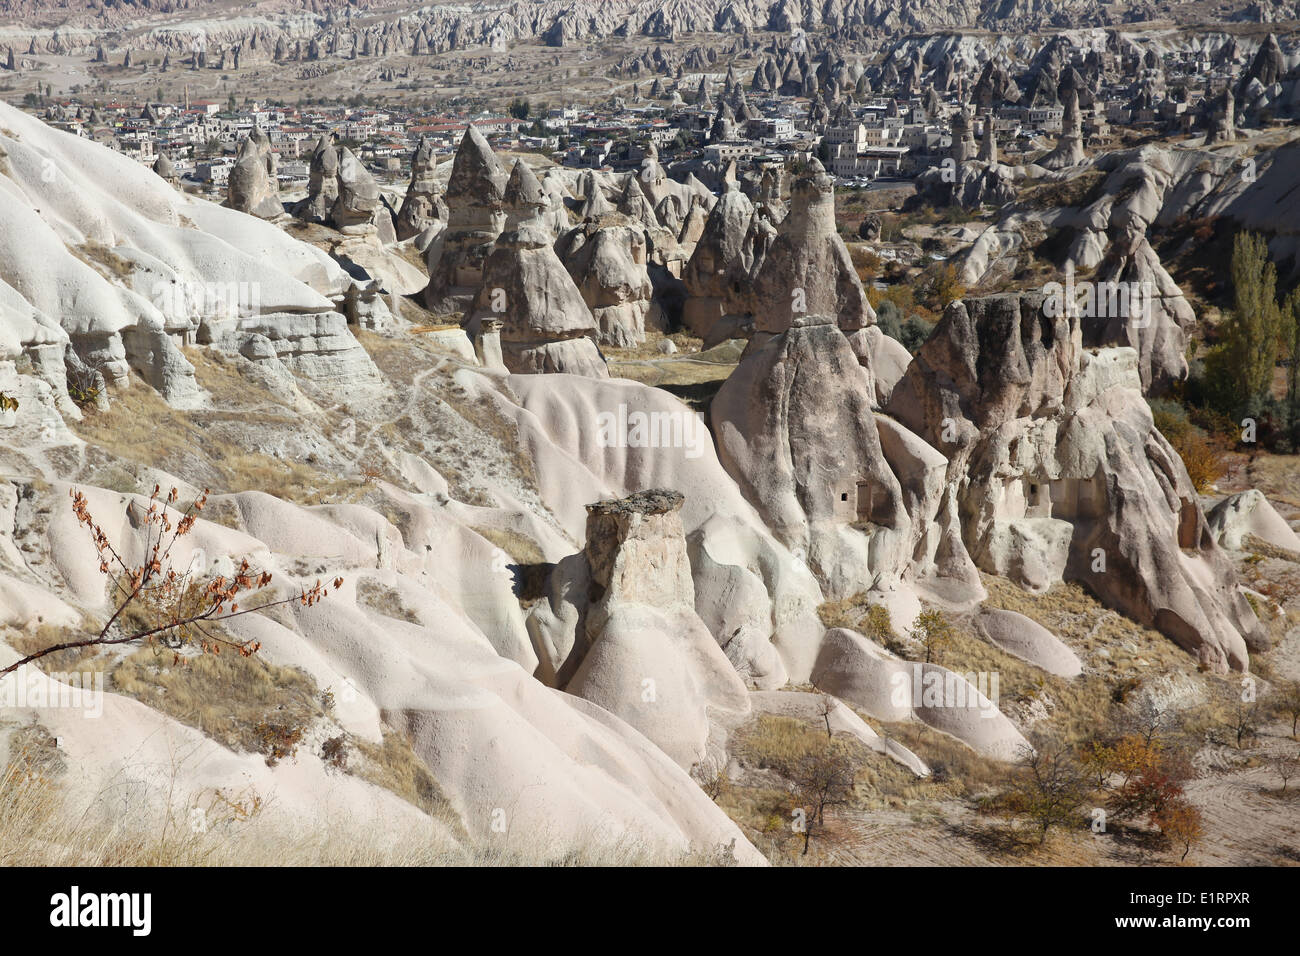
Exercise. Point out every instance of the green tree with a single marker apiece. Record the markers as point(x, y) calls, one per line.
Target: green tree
point(1239, 371)
point(520, 109)
point(1291, 346)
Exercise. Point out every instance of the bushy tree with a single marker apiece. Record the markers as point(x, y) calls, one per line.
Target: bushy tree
point(1180, 824)
point(934, 632)
point(1052, 788)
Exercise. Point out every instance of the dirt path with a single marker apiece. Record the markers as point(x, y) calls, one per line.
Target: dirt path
point(1247, 823)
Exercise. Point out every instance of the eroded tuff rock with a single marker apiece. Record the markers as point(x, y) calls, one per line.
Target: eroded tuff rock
point(1069, 147)
point(608, 264)
point(341, 193)
point(1249, 514)
point(1129, 298)
point(889, 688)
point(252, 187)
point(322, 182)
point(862, 498)
point(178, 263)
point(525, 197)
point(423, 205)
point(1060, 473)
point(717, 275)
point(807, 270)
point(475, 217)
point(164, 168)
point(1028, 640)
point(970, 176)
point(1220, 115)
point(545, 324)
point(639, 624)
point(358, 202)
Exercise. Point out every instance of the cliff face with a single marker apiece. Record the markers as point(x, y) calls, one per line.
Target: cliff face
point(404, 27)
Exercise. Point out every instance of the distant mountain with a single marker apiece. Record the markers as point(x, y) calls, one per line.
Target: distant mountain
point(561, 22)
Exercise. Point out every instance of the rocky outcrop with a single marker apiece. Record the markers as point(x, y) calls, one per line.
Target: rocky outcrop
point(731, 244)
point(1248, 514)
point(1060, 473)
point(1221, 119)
point(642, 652)
point(322, 183)
point(475, 217)
point(252, 187)
point(358, 202)
point(1027, 640)
point(165, 170)
point(545, 324)
point(970, 176)
point(861, 498)
point(891, 689)
point(1069, 147)
point(1129, 298)
point(807, 270)
point(608, 264)
point(423, 206)
point(526, 197)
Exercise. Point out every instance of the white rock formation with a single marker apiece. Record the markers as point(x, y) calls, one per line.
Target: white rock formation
point(891, 689)
point(475, 199)
point(1028, 640)
point(1248, 513)
point(641, 650)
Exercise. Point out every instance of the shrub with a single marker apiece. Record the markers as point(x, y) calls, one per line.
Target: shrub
point(890, 319)
point(279, 739)
point(156, 602)
point(1180, 825)
point(334, 752)
point(1203, 458)
point(877, 625)
point(914, 333)
point(945, 286)
point(865, 262)
point(1203, 455)
point(83, 388)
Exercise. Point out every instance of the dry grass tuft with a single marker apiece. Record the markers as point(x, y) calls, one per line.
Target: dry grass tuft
point(40, 826)
point(237, 701)
point(381, 599)
point(96, 254)
point(142, 428)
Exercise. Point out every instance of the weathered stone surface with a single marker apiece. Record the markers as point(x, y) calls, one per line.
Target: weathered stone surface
point(608, 264)
point(637, 622)
point(476, 215)
point(1028, 640)
point(252, 186)
point(423, 206)
point(807, 270)
point(1249, 514)
point(891, 689)
point(1047, 441)
point(545, 324)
